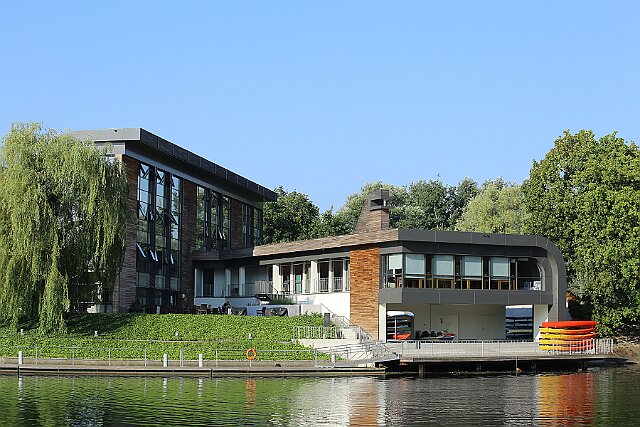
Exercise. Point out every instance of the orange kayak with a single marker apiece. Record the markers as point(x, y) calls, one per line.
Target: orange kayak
point(570, 324)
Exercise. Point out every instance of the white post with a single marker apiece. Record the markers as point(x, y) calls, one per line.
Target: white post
point(241, 280)
point(200, 361)
point(382, 322)
point(165, 360)
point(227, 282)
point(197, 282)
point(344, 275)
point(277, 280)
point(20, 358)
point(304, 278)
point(330, 275)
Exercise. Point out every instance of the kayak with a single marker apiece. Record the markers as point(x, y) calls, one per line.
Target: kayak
point(570, 324)
point(566, 340)
point(568, 331)
point(566, 347)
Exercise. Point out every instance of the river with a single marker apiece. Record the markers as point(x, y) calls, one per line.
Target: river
point(601, 396)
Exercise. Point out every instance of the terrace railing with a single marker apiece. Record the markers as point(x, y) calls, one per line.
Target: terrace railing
point(434, 349)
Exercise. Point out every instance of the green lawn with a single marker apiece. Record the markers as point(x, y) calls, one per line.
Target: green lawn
point(127, 336)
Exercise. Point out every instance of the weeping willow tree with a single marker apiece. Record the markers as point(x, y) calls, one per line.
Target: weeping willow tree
point(63, 213)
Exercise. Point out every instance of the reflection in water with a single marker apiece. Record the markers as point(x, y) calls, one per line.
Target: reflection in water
point(567, 399)
point(600, 397)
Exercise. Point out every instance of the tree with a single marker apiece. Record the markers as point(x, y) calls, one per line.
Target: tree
point(292, 217)
point(585, 196)
point(498, 208)
point(63, 212)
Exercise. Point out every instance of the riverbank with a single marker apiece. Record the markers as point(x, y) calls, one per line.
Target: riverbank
point(628, 348)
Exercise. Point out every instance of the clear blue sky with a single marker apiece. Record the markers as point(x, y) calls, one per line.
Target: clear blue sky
point(322, 97)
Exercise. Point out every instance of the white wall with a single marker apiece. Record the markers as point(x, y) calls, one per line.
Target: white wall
point(337, 302)
point(473, 321)
point(540, 314)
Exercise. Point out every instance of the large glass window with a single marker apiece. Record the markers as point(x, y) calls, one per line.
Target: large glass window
point(443, 271)
point(257, 227)
point(224, 233)
point(175, 218)
point(393, 270)
point(471, 272)
point(499, 270)
point(460, 272)
point(202, 226)
point(143, 237)
point(246, 225)
point(414, 270)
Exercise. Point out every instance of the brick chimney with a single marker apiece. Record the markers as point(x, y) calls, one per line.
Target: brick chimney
point(375, 212)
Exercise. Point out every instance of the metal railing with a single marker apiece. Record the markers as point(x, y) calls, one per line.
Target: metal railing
point(317, 332)
point(147, 357)
point(322, 285)
point(337, 284)
point(373, 351)
point(428, 348)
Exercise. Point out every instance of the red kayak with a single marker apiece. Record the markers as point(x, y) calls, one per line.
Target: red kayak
point(567, 324)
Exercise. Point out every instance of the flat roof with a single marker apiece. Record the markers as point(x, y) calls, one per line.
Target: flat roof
point(148, 139)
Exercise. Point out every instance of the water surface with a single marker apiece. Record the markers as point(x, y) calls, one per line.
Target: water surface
point(606, 396)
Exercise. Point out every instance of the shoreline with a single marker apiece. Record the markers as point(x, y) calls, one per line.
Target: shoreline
point(628, 349)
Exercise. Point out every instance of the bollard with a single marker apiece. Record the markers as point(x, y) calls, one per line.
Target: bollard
point(165, 360)
point(333, 359)
point(95, 333)
point(200, 361)
point(22, 331)
point(20, 358)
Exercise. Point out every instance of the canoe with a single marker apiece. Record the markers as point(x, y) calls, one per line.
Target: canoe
point(567, 331)
point(570, 324)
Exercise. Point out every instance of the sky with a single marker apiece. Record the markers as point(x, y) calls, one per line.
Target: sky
point(322, 97)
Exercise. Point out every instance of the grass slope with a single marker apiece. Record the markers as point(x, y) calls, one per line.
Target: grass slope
point(129, 335)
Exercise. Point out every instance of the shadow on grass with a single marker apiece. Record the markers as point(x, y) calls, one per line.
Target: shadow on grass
point(104, 323)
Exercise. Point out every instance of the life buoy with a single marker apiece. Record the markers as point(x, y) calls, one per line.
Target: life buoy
point(251, 354)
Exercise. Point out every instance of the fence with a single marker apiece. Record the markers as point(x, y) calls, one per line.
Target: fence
point(498, 348)
point(317, 332)
point(111, 356)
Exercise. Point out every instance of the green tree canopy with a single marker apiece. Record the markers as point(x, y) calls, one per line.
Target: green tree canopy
point(292, 217)
point(585, 196)
point(498, 208)
point(63, 212)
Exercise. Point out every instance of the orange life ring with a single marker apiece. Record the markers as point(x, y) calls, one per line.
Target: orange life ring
point(251, 354)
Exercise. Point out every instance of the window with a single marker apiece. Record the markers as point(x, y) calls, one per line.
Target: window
point(246, 225)
point(414, 270)
point(207, 283)
point(202, 225)
point(393, 271)
point(443, 269)
point(175, 233)
point(472, 272)
point(225, 231)
point(499, 271)
point(257, 227)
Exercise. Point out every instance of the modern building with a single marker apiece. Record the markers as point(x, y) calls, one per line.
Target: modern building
point(454, 281)
point(197, 243)
point(182, 204)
